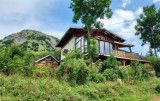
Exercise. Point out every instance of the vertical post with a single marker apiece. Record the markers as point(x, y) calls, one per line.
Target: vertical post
point(130, 52)
point(124, 63)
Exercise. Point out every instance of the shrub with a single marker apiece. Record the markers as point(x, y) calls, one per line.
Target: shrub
point(111, 62)
point(114, 73)
point(42, 71)
point(74, 54)
point(74, 71)
point(110, 74)
point(96, 77)
point(156, 65)
point(158, 88)
point(137, 71)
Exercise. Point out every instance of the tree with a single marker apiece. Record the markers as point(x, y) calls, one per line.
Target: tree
point(57, 54)
point(88, 11)
point(148, 27)
point(92, 49)
point(150, 52)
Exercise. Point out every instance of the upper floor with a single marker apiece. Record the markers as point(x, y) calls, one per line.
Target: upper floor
point(108, 43)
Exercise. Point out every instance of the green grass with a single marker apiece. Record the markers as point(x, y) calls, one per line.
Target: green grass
point(19, 88)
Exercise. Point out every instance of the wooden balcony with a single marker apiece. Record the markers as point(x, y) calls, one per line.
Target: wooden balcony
point(124, 54)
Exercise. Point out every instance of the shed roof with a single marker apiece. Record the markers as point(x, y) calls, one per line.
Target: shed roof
point(46, 57)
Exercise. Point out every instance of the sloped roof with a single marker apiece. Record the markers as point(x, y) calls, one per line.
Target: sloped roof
point(70, 33)
point(46, 57)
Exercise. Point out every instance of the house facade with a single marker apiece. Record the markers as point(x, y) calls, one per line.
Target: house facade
point(108, 43)
point(48, 60)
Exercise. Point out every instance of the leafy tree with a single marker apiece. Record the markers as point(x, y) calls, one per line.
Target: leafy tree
point(88, 11)
point(150, 52)
point(15, 50)
point(93, 49)
point(148, 27)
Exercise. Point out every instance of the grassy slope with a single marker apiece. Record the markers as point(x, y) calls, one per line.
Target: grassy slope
point(19, 88)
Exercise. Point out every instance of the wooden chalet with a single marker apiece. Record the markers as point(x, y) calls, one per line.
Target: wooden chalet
point(109, 43)
point(48, 60)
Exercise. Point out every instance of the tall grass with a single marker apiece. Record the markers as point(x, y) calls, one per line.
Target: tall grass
point(20, 88)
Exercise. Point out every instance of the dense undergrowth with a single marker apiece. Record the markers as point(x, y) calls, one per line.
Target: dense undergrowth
point(20, 88)
point(74, 80)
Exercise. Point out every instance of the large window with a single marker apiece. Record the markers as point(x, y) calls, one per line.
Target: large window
point(102, 44)
point(106, 48)
point(80, 43)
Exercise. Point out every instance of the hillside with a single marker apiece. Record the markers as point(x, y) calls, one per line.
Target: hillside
point(31, 40)
point(50, 89)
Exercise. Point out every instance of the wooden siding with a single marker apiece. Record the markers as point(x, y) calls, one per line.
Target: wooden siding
point(49, 61)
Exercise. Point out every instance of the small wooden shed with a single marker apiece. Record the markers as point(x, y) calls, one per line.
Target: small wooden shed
point(48, 60)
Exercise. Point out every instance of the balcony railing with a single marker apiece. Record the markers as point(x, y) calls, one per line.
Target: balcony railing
point(125, 54)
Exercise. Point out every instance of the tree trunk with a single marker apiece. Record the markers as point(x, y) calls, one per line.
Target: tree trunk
point(155, 51)
point(91, 64)
point(88, 44)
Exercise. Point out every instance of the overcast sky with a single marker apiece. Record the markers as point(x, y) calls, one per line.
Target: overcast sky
point(54, 17)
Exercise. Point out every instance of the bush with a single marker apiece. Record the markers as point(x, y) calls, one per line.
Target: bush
point(156, 65)
point(158, 88)
point(114, 73)
point(13, 60)
point(96, 77)
point(110, 74)
point(111, 62)
point(43, 71)
point(138, 71)
point(74, 71)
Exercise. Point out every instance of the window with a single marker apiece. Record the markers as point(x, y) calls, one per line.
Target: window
point(81, 42)
point(105, 48)
point(85, 44)
point(102, 47)
point(65, 51)
point(111, 49)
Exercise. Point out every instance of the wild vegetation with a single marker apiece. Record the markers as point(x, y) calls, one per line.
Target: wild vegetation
point(74, 79)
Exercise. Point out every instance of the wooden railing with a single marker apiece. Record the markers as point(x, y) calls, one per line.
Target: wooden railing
point(124, 54)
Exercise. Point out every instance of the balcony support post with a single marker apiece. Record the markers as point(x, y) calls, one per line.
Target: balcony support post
point(124, 63)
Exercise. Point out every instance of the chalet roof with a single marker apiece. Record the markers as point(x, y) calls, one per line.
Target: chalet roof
point(71, 30)
point(46, 57)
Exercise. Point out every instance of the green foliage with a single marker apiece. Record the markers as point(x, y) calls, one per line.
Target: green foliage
point(112, 74)
point(74, 54)
point(138, 71)
point(74, 70)
point(96, 77)
point(158, 88)
point(156, 65)
point(43, 72)
point(92, 49)
point(31, 37)
point(52, 90)
point(111, 62)
point(31, 40)
point(57, 54)
point(15, 50)
point(88, 11)
point(148, 27)
point(14, 60)
point(8, 43)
